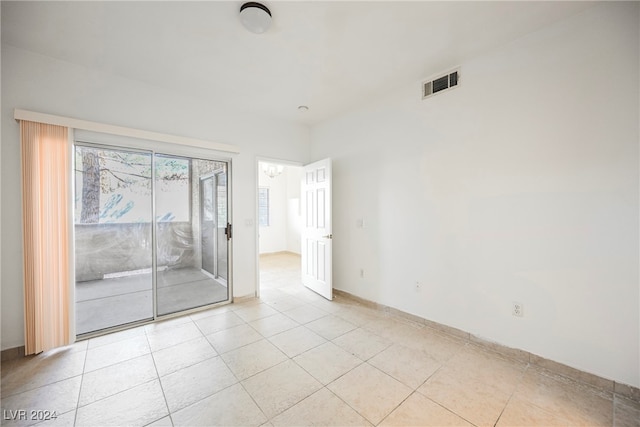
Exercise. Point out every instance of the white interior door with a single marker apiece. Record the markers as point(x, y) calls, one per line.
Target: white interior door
point(316, 228)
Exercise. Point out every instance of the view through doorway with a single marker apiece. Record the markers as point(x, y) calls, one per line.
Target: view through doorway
point(279, 225)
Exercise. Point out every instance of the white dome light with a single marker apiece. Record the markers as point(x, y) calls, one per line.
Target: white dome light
point(255, 17)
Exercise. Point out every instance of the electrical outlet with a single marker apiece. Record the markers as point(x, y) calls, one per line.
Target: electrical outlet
point(418, 286)
point(517, 309)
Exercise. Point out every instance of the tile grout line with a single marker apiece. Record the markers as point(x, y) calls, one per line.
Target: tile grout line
point(84, 365)
point(247, 391)
point(447, 409)
point(155, 366)
point(513, 393)
point(403, 400)
point(396, 407)
point(346, 403)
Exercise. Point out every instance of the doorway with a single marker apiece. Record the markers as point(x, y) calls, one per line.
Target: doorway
point(279, 225)
point(151, 235)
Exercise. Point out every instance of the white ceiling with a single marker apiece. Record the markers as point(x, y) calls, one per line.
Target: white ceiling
point(330, 56)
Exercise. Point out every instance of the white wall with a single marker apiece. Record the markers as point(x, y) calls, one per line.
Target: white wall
point(273, 238)
point(39, 83)
point(283, 232)
point(520, 185)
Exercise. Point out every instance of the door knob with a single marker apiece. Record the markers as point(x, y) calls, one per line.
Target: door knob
point(328, 236)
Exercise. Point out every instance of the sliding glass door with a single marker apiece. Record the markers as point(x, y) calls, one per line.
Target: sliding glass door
point(213, 224)
point(150, 235)
point(189, 273)
point(113, 237)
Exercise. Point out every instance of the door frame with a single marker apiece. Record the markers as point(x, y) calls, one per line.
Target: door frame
point(153, 147)
point(215, 176)
point(272, 160)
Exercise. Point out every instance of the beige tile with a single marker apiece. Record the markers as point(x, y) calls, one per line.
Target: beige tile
point(167, 337)
point(409, 366)
point(27, 373)
point(305, 313)
point(116, 352)
point(116, 336)
point(272, 325)
point(253, 358)
point(627, 391)
point(362, 343)
point(359, 315)
point(438, 346)
point(162, 422)
point(476, 402)
point(323, 408)
point(116, 378)
point(180, 356)
point(473, 363)
point(255, 312)
point(566, 399)
point(330, 327)
point(413, 319)
point(140, 405)
point(296, 341)
point(233, 338)
point(520, 413)
point(418, 410)
point(59, 397)
point(573, 373)
point(210, 312)
point(626, 413)
point(504, 351)
point(188, 385)
point(267, 294)
point(447, 330)
point(280, 387)
point(303, 294)
point(327, 362)
point(325, 304)
point(167, 324)
point(370, 391)
point(218, 322)
point(392, 328)
point(229, 407)
point(282, 303)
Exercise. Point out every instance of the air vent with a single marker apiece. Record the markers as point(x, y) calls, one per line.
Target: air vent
point(441, 83)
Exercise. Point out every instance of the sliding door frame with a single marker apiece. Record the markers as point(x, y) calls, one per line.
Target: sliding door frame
point(114, 142)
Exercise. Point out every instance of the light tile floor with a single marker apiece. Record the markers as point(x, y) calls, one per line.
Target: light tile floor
point(292, 358)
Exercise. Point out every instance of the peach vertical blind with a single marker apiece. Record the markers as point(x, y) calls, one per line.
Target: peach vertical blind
point(45, 206)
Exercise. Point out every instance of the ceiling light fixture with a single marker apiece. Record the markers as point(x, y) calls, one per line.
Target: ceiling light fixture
point(255, 17)
point(303, 108)
point(272, 170)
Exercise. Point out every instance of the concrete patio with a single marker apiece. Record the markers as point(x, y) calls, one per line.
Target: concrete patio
point(106, 303)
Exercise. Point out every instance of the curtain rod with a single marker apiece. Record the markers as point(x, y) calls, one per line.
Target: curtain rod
point(120, 130)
